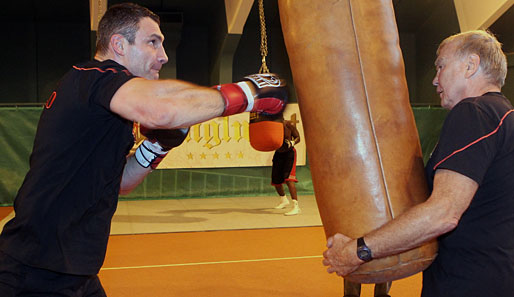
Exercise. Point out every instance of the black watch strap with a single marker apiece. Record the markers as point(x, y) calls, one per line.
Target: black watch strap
point(363, 251)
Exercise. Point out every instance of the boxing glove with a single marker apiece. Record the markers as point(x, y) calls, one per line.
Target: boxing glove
point(167, 138)
point(263, 93)
point(157, 145)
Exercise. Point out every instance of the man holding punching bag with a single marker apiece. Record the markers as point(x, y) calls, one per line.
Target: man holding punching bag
point(470, 172)
point(56, 243)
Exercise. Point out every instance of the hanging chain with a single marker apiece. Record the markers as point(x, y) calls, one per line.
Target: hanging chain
point(264, 39)
point(100, 14)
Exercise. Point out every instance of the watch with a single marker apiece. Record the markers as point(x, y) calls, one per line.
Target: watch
point(363, 251)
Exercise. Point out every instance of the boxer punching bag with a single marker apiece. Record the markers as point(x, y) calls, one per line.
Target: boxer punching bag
point(266, 132)
point(362, 142)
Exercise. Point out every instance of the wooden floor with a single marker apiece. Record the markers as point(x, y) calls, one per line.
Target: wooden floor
point(251, 263)
point(255, 261)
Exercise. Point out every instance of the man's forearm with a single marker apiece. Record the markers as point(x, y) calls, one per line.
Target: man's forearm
point(440, 214)
point(413, 228)
point(133, 175)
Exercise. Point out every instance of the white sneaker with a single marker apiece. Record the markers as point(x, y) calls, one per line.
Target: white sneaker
point(283, 202)
point(296, 210)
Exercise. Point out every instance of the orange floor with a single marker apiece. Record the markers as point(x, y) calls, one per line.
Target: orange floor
point(268, 262)
point(4, 211)
point(278, 262)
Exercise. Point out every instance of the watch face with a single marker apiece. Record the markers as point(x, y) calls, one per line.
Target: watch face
point(364, 253)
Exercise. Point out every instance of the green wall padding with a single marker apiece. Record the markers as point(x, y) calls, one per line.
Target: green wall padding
point(429, 121)
point(17, 130)
point(218, 182)
point(18, 127)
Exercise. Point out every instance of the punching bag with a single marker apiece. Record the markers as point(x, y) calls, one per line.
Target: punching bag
point(362, 142)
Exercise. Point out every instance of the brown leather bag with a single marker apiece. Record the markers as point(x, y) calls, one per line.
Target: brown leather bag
point(362, 143)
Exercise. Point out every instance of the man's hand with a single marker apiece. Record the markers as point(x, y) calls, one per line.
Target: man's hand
point(341, 255)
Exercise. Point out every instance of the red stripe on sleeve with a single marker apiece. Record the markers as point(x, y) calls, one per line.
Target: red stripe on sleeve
point(96, 68)
point(478, 140)
point(101, 70)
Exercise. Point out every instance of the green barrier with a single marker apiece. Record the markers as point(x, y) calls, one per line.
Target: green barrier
point(17, 130)
point(429, 121)
point(18, 127)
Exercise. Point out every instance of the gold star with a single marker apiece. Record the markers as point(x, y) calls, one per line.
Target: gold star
point(190, 156)
point(240, 155)
point(203, 156)
point(228, 156)
point(216, 156)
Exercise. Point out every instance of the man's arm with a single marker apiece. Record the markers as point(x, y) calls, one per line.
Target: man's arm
point(295, 135)
point(440, 214)
point(149, 154)
point(133, 175)
point(166, 104)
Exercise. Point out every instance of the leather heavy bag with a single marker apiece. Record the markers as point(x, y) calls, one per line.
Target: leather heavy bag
point(362, 142)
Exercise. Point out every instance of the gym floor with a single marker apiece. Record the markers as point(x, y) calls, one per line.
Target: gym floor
point(238, 246)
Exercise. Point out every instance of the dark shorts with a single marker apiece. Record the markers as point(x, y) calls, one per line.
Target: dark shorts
point(18, 279)
point(284, 167)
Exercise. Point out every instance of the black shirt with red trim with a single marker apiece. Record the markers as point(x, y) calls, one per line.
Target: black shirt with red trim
point(477, 257)
point(69, 195)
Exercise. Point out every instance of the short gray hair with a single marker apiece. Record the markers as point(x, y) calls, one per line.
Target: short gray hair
point(483, 43)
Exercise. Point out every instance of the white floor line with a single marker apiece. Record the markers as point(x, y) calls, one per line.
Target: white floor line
point(210, 263)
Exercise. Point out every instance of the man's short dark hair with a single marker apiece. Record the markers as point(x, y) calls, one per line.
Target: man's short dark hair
point(121, 19)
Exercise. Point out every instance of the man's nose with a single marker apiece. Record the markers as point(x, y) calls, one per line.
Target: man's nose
point(435, 81)
point(162, 57)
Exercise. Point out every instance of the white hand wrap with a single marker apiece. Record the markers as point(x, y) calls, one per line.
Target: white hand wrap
point(150, 154)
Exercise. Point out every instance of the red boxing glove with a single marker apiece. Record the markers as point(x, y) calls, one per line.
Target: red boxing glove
point(264, 93)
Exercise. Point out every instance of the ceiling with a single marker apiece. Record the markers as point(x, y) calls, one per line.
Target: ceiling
point(504, 29)
point(410, 14)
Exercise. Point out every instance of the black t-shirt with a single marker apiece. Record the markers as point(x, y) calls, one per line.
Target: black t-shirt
point(66, 202)
point(477, 257)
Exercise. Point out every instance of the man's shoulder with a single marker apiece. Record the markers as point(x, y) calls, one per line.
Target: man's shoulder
point(486, 106)
point(487, 100)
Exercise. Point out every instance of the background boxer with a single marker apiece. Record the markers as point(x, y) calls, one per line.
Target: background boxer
point(56, 243)
point(284, 168)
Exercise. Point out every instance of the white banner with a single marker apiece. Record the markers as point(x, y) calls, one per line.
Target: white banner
point(225, 142)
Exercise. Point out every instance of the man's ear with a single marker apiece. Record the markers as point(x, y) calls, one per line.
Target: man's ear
point(117, 42)
point(472, 65)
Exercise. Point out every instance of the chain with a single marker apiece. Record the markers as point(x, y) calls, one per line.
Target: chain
point(264, 39)
point(99, 16)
